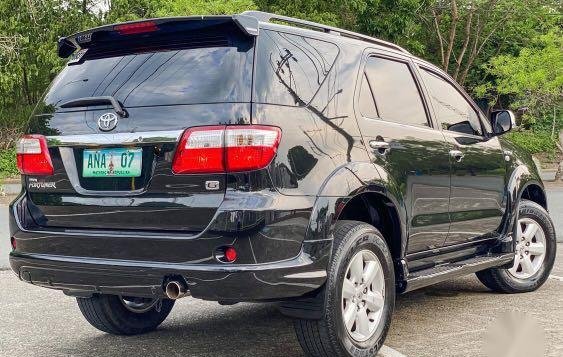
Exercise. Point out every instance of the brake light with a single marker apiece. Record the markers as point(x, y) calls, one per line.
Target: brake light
point(136, 27)
point(216, 149)
point(33, 155)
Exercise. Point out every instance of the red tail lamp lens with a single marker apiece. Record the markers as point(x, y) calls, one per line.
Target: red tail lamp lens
point(136, 27)
point(200, 151)
point(13, 243)
point(230, 254)
point(219, 149)
point(33, 156)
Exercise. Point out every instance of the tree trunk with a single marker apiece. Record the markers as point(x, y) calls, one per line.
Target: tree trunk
point(451, 39)
point(436, 22)
point(459, 59)
point(26, 86)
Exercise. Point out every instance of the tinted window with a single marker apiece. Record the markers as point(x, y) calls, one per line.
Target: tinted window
point(395, 91)
point(453, 111)
point(214, 73)
point(290, 69)
point(367, 105)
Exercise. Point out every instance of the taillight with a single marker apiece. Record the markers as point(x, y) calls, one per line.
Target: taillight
point(216, 149)
point(136, 27)
point(33, 155)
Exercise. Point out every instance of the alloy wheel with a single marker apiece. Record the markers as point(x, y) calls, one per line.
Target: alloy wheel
point(530, 249)
point(363, 295)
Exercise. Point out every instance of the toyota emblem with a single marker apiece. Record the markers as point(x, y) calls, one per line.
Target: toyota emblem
point(107, 122)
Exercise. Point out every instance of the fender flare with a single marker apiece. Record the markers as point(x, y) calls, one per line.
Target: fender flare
point(345, 183)
point(520, 179)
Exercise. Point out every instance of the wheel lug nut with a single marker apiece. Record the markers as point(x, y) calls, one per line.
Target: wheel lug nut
point(527, 252)
point(527, 244)
point(521, 256)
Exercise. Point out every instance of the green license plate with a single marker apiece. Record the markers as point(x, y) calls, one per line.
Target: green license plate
point(113, 162)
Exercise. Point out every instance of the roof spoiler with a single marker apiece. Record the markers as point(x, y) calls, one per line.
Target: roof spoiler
point(66, 46)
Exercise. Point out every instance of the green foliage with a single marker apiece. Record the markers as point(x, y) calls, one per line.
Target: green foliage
point(125, 10)
point(210, 7)
point(8, 166)
point(13, 121)
point(29, 30)
point(533, 141)
point(534, 77)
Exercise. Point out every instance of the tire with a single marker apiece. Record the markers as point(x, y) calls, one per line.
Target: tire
point(110, 313)
point(329, 336)
point(524, 280)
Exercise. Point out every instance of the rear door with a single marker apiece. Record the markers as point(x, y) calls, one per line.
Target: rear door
point(400, 137)
point(477, 163)
point(115, 171)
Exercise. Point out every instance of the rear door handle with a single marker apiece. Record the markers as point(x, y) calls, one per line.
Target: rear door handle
point(381, 146)
point(457, 155)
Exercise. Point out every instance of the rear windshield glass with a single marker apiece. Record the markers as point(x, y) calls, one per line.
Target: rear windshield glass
point(208, 72)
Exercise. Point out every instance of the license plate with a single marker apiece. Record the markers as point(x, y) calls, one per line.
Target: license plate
point(113, 162)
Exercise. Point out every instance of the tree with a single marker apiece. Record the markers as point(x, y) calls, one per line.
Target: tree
point(533, 78)
point(464, 34)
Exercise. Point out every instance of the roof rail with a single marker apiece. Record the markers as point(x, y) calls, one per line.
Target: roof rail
point(268, 17)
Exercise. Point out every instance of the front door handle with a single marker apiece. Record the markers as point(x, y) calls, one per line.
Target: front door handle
point(382, 147)
point(457, 155)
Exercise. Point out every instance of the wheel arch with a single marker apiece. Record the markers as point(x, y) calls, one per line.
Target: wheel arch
point(378, 210)
point(349, 187)
point(349, 190)
point(533, 191)
point(524, 183)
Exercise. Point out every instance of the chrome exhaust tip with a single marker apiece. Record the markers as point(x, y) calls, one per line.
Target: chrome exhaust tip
point(175, 289)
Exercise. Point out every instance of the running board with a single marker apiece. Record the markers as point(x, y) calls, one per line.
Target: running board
point(422, 278)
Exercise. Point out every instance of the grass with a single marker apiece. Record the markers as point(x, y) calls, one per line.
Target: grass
point(13, 120)
point(534, 141)
point(8, 167)
point(540, 144)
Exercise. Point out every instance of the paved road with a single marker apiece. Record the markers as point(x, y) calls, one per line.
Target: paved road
point(4, 233)
point(555, 205)
point(450, 319)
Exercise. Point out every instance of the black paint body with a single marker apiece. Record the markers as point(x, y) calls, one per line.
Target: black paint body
point(124, 237)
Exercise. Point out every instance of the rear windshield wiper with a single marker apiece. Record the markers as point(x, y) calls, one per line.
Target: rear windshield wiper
point(86, 101)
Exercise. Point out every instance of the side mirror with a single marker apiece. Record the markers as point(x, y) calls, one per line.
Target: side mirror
point(503, 121)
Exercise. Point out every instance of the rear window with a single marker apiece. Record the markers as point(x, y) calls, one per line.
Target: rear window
point(213, 71)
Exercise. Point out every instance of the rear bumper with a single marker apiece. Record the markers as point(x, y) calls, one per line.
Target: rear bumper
point(275, 260)
point(82, 276)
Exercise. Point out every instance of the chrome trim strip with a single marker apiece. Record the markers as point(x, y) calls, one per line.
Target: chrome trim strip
point(148, 137)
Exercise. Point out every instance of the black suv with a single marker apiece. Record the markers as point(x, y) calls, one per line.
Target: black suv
point(257, 157)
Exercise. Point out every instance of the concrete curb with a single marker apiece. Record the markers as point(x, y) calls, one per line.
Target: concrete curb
point(548, 175)
point(10, 188)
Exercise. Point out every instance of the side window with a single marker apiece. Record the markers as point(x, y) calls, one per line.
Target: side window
point(452, 109)
point(396, 95)
point(291, 68)
point(367, 105)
